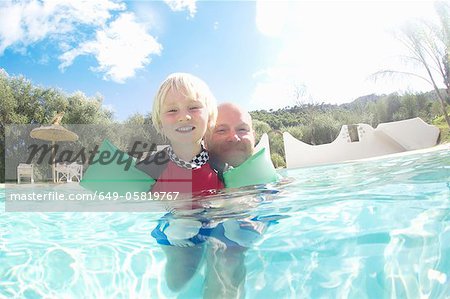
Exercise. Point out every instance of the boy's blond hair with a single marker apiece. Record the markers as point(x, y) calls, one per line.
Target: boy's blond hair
point(191, 87)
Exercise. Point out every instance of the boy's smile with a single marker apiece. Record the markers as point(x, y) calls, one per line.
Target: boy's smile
point(185, 129)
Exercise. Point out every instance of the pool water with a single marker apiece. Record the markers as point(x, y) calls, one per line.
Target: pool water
point(370, 229)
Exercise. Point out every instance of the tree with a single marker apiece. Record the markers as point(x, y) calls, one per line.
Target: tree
point(260, 128)
point(23, 103)
point(429, 46)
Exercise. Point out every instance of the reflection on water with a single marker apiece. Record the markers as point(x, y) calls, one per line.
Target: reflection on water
point(371, 229)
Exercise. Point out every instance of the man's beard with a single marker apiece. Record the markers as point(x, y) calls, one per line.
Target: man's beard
point(234, 155)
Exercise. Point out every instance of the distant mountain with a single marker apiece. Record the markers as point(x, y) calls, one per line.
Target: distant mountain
point(364, 100)
point(373, 98)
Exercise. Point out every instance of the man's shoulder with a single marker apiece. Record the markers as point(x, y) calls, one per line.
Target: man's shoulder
point(218, 166)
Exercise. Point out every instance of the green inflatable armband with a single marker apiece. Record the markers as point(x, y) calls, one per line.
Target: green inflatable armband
point(257, 170)
point(115, 172)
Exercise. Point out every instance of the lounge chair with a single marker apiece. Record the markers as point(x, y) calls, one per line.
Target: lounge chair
point(68, 171)
point(25, 170)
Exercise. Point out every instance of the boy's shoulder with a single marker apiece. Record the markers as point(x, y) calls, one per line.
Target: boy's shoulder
point(154, 164)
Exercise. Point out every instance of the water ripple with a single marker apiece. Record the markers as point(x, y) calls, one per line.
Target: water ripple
point(372, 229)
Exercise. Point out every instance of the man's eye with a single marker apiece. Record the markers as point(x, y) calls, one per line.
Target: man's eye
point(194, 107)
point(172, 110)
point(243, 130)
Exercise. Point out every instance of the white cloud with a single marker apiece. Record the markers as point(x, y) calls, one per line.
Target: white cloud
point(120, 49)
point(121, 45)
point(180, 5)
point(332, 47)
point(278, 87)
point(27, 22)
point(271, 16)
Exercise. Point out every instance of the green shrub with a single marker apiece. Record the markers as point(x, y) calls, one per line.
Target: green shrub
point(278, 160)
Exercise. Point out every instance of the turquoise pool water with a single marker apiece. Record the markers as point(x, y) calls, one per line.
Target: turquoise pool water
point(372, 229)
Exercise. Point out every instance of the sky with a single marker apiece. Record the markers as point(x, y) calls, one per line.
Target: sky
point(259, 54)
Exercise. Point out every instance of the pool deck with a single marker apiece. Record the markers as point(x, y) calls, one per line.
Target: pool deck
point(27, 184)
point(420, 151)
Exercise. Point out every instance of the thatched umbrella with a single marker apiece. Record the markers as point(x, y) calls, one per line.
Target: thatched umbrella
point(54, 133)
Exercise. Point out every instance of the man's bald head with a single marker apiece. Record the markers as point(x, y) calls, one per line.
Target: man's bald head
point(232, 140)
point(230, 111)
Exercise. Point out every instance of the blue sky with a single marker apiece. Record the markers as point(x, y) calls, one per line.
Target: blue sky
point(254, 53)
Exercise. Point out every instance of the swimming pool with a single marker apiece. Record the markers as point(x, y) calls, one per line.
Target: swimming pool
point(371, 229)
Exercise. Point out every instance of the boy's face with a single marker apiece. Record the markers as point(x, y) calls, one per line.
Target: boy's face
point(184, 121)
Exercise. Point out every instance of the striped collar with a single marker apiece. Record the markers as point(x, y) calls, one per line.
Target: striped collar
point(197, 162)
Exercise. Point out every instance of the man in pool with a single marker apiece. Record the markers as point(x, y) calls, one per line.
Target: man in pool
point(230, 143)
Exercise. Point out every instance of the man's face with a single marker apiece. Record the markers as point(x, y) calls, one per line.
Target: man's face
point(232, 140)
